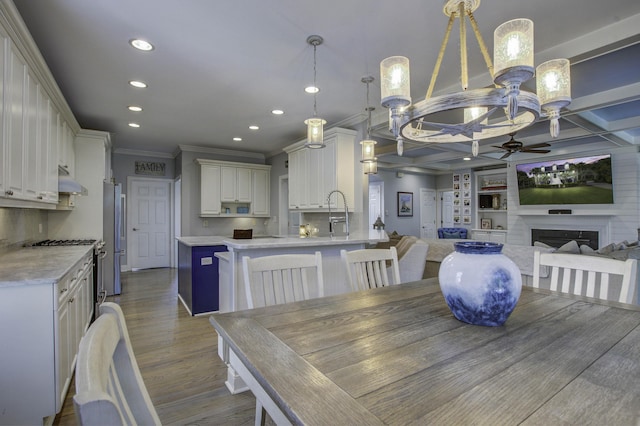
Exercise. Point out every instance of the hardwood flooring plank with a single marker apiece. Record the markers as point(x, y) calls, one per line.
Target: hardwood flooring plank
point(177, 356)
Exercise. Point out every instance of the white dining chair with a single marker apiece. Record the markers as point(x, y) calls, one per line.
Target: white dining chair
point(109, 386)
point(272, 280)
point(582, 275)
point(367, 268)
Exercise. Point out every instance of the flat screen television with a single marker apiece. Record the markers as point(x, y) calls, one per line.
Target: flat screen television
point(584, 180)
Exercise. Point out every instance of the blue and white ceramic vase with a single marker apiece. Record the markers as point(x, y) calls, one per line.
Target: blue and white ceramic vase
point(480, 284)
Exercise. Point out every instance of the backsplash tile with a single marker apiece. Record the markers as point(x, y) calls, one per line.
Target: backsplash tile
point(18, 226)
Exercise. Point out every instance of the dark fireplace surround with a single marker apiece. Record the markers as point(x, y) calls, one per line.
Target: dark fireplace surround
point(557, 238)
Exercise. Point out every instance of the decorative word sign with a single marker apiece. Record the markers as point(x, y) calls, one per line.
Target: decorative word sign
point(150, 168)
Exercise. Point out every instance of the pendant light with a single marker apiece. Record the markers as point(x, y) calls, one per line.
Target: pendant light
point(368, 145)
point(315, 125)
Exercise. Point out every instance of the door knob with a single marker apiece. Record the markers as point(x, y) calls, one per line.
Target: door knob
point(135, 229)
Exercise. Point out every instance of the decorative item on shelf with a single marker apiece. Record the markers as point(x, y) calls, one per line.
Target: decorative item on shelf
point(368, 145)
point(304, 231)
point(495, 201)
point(315, 125)
point(513, 56)
point(485, 223)
point(480, 284)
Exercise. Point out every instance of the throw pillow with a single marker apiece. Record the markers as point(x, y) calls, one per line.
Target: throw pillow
point(607, 249)
point(570, 247)
point(585, 249)
point(541, 244)
point(451, 234)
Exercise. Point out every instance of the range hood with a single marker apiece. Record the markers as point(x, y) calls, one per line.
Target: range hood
point(67, 185)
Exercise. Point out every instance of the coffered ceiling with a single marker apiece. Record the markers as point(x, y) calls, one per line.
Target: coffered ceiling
point(220, 66)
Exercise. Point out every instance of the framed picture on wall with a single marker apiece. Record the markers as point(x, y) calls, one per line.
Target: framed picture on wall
point(405, 203)
point(485, 223)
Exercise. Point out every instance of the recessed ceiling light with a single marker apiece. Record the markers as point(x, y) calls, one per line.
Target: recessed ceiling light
point(277, 112)
point(135, 125)
point(253, 127)
point(466, 158)
point(139, 84)
point(311, 89)
point(236, 139)
point(141, 44)
point(134, 108)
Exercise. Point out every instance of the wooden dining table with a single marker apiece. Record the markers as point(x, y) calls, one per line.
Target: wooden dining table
point(396, 355)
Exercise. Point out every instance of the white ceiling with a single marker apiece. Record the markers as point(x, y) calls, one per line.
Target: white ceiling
point(220, 66)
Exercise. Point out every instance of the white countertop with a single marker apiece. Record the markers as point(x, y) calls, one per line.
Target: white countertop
point(260, 242)
point(39, 265)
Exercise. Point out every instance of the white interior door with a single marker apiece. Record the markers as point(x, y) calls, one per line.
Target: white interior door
point(376, 195)
point(150, 223)
point(427, 213)
point(446, 218)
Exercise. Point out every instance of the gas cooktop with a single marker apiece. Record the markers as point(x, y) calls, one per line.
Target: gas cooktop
point(76, 242)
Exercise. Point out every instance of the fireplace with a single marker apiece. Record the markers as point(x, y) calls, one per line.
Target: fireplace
point(557, 238)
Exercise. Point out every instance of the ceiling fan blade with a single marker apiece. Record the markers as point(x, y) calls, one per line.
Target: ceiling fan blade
point(506, 154)
point(498, 146)
point(536, 151)
point(538, 145)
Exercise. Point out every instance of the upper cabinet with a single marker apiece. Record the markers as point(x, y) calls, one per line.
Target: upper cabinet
point(314, 173)
point(229, 189)
point(36, 137)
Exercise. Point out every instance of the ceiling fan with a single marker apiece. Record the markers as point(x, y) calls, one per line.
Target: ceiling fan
point(513, 145)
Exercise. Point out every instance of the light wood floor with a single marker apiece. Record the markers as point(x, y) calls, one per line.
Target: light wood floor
point(177, 356)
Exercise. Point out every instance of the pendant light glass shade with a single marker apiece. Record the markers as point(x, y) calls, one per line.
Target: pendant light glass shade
point(315, 132)
point(395, 85)
point(368, 150)
point(371, 168)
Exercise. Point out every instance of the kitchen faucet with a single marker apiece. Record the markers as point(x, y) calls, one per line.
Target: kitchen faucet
point(338, 219)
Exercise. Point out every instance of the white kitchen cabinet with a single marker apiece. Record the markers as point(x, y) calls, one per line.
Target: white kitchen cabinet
point(14, 106)
point(236, 184)
point(67, 153)
point(314, 173)
point(261, 199)
point(227, 188)
point(209, 189)
point(42, 323)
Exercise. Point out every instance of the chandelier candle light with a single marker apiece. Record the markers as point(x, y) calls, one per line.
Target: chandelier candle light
point(368, 145)
point(475, 114)
point(315, 125)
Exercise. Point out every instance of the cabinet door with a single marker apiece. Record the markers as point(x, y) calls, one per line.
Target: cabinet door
point(228, 186)
point(261, 189)
point(34, 167)
point(313, 178)
point(50, 127)
point(209, 189)
point(15, 100)
point(298, 183)
point(243, 185)
point(3, 139)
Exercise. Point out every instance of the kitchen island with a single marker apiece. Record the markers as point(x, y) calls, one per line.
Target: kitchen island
point(231, 284)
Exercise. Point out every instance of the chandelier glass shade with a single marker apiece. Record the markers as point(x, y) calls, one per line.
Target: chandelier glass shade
point(370, 168)
point(500, 110)
point(315, 125)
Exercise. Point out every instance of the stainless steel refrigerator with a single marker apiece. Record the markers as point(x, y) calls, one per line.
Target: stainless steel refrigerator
point(112, 231)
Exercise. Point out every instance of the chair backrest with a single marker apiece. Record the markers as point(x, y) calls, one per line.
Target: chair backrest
point(109, 386)
point(367, 268)
point(580, 274)
point(272, 280)
point(452, 233)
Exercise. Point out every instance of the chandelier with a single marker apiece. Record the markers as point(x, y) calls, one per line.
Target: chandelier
point(474, 114)
point(315, 125)
point(369, 160)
